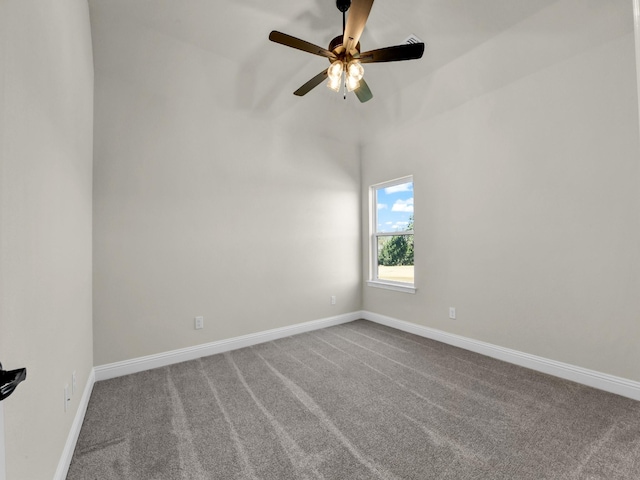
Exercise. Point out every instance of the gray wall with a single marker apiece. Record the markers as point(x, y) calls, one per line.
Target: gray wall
point(526, 191)
point(46, 123)
point(250, 218)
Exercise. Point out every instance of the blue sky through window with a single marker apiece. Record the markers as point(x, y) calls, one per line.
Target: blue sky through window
point(395, 207)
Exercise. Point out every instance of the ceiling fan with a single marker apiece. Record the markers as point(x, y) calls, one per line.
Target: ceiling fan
point(344, 52)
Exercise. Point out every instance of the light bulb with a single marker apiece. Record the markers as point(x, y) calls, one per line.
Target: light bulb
point(355, 70)
point(352, 83)
point(334, 83)
point(335, 70)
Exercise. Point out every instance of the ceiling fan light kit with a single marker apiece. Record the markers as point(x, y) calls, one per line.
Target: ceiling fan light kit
point(344, 52)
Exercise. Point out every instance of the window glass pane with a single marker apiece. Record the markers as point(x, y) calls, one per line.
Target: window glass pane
point(395, 258)
point(394, 208)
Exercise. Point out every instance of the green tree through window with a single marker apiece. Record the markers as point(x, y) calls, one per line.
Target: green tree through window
point(397, 250)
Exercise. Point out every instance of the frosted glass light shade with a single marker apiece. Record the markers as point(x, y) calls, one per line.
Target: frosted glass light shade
point(335, 70)
point(355, 70)
point(352, 83)
point(334, 83)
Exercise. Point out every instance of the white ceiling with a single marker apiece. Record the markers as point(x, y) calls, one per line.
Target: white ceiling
point(265, 74)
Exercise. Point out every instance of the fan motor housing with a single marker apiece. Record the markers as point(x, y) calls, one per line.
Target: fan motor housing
point(338, 41)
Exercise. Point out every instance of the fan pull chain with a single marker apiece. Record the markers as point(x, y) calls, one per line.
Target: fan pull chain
point(345, 85)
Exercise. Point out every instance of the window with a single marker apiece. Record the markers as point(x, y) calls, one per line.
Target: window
point(392, 235)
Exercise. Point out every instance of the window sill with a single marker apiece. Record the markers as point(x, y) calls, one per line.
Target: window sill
point(392, 286)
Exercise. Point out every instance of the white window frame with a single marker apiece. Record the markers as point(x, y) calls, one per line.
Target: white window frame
point(374, 281)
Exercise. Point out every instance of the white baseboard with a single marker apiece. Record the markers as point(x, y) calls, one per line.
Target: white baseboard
point(74, 433)
point(126, 367)
point(591, 378)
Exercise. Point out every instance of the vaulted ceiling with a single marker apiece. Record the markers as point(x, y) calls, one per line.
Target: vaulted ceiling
point(249, 73)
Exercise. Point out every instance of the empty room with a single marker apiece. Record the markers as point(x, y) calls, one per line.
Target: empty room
point(322, 239)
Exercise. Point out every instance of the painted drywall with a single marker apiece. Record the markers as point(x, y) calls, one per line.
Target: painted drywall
point(46, 122)
point(527, 212)
point(3, 471)
point(204, 206)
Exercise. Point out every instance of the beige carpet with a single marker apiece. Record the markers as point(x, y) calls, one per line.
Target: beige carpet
point(356, 401)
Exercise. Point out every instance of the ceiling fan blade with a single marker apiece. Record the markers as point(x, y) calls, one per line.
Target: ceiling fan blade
point(396, 53)
point(356, 20)
point(363, 92)
point(311, 84)
point(294, 42)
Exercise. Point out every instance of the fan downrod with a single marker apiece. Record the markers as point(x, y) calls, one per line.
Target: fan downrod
point(343, 5)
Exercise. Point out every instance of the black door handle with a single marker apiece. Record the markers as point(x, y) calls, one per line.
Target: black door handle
point(9, 380)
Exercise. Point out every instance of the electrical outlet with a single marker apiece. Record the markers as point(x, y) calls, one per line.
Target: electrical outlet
point(73, 382)
point(67, 397)
point(452, 313)
point(199, 323)
point(334, 300)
